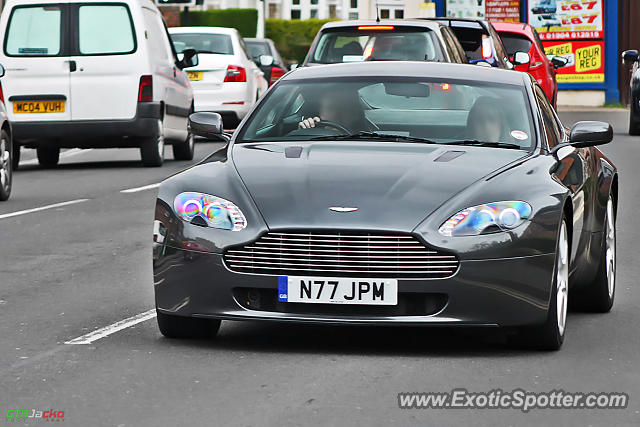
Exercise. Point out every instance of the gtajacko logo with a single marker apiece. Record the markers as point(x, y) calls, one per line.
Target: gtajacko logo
point(22, 415)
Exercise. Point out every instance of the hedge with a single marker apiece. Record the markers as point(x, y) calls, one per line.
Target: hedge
point(293, 37)
point(243, 20)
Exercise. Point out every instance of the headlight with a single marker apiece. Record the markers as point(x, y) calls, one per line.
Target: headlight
point(488, 218)
point(209, 211)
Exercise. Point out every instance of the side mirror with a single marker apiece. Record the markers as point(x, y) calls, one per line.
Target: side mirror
point(559, 61)
point(1, 71)
point(293, 66)
point(189, 59)
point(265, 60)
point(629, 56)
point(207, 125)
point(590, 133)
point(521, 58)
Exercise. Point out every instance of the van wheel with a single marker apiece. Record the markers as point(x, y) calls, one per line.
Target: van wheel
point(48, 157)
point(5, 166)
point(152, 149)
point(15, 157)
point(184, 150)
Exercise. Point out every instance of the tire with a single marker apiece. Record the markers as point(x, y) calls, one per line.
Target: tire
point(15, 159)
point(48, 157)
point(187, 327)
point(550, 335)
point(152, 149)
point(634, 126)
point(184, 150)
point(598, 296)
point(6, 165)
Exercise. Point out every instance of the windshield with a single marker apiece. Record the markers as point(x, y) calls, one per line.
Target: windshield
point(203, 43)
point(354, 45)
point(256, 49)
point(373, 108)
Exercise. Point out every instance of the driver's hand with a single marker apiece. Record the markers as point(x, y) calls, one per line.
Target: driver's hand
point(309, 123)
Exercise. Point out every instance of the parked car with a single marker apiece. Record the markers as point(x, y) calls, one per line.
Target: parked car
point(544, 6)
point(547, 21)
point(94, 75)
point(266, 55)
point(480, 41)
point(630, 57)
point(468, 219)
point(526, 52)
point(7, 151)
point(226, 80)
point(405, 40)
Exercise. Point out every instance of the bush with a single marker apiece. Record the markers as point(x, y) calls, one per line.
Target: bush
point(243, 20)
point(293, 37)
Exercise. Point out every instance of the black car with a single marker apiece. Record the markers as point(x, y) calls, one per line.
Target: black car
point(391, 193)
point(480, 41)
point(400, 40)
point(261, 50)
point(630, 57)
point(544, 6)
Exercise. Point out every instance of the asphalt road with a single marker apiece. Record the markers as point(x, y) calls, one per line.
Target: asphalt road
point(67, 271)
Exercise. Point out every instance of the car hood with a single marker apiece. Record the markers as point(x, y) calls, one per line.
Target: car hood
point(393, 185)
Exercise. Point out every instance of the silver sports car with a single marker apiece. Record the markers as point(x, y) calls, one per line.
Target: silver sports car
point(391, 193)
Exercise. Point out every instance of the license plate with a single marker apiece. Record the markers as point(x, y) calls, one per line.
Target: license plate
point(194, 75)
point(21, 107)
point(334, 290)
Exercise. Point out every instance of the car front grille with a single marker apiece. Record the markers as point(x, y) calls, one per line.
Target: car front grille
point(340, 253)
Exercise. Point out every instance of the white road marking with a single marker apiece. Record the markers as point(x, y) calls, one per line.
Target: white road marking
point(143, 188)
point(112, 329)
point(63, 154)
point(42, 208)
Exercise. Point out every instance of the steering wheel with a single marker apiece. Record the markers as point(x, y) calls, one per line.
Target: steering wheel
point(334, 125)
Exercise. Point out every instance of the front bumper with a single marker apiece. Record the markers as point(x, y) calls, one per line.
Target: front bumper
point(497, 292)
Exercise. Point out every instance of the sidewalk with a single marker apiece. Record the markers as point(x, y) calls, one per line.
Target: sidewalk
point(573, 108)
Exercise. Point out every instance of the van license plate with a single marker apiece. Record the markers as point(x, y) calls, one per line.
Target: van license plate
point(38, 107)
point(194, 75)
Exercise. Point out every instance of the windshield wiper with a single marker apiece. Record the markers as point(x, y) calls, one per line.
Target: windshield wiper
point(477, 143)
point(374, 135)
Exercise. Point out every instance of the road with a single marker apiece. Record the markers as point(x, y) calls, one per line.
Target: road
point(69, 270)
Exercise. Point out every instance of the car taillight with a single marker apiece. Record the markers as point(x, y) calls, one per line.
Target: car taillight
point(276, 73)
point(145, 90)
point(487, 52)
point(1, 93)
point(235, 74)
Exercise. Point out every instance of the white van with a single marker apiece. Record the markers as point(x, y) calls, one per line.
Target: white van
point(94, 74)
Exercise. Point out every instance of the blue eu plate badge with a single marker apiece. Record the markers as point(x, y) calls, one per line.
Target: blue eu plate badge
point(283, 287)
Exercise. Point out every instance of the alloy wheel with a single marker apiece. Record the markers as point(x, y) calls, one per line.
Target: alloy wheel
point(562, 278)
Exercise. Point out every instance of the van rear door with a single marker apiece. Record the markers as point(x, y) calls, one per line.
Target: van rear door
point(35, 56)
point(105, 84)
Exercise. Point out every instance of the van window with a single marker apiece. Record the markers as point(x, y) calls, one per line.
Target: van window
point(34, 31)
point(105, 29)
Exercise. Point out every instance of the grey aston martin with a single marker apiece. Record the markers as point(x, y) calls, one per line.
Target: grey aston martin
point(404, 193)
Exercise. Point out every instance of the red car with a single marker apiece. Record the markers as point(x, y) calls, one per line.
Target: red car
point(520, 37)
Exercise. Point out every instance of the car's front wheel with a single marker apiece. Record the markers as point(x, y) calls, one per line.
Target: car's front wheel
point(550, 335)
point(152, 149)
point(6, 166)
point(187, 327)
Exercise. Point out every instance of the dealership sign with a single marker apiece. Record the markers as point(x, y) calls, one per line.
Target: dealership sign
point(567, 19)
point(586, 60)
point(492, 10)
